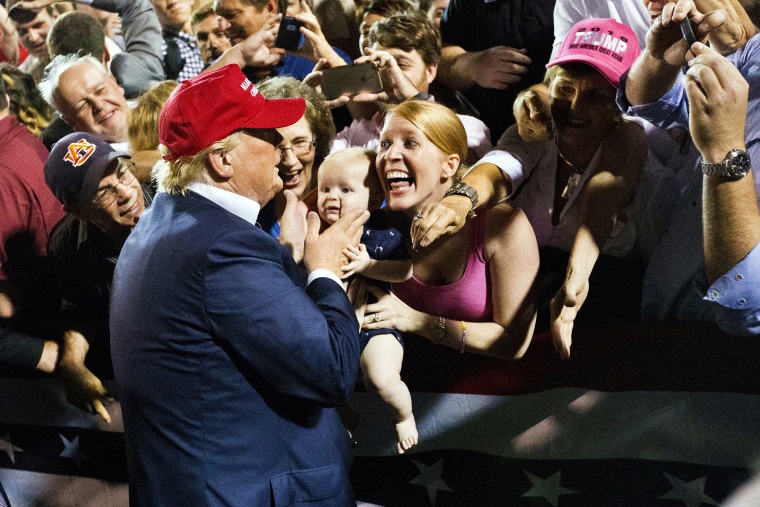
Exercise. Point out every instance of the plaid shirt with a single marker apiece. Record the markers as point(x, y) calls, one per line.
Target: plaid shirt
point(182, 60)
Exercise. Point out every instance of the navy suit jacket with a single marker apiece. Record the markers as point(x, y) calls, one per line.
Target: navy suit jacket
point(228, 371)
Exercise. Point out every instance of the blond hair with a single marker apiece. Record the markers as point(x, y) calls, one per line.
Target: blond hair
point(142, 121)
point(174, 177)
point(438, 123)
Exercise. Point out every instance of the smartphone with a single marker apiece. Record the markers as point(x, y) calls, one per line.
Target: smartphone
point(350, 80)
point(688, 32)
point(289, 35)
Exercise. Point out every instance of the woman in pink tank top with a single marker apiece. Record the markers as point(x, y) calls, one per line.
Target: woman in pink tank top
point(471, 290)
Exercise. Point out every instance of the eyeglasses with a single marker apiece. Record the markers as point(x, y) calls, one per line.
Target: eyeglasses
point(299, 149)
point(105, 196)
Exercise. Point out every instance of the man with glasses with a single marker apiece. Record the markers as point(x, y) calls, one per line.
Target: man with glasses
point(98, 189)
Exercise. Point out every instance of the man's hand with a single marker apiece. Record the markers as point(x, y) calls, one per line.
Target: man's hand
point(293, 225)
point(314, 79)
point(532, 111)
point(433, 220)
point(33, 5)
point(499, 66)
point(396, 86)
point(83, 389)
point(316, 47)
point(258, 49)
point(325, 251)
point(717, 95)
point(564, 308)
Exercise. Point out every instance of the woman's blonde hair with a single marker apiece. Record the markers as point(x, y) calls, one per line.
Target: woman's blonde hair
point(440, 125)
point(26, 105)
point(143, 119)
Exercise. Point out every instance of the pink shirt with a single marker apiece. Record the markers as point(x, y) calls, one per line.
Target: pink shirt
point(468, 299)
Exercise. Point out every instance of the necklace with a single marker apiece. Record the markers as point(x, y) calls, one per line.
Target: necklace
point(574, 178)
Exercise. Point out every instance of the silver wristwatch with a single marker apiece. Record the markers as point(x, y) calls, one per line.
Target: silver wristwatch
point(734, 167)
point(467, 191)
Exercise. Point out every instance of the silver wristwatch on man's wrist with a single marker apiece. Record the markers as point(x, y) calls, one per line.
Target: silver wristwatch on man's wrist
point(467, 191)
point(734, 167)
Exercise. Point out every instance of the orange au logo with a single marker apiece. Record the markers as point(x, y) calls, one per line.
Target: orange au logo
point(79, 152)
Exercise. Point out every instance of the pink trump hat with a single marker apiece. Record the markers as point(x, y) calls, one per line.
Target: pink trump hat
point(605, 44)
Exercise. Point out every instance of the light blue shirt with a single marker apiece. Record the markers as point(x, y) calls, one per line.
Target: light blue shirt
point(675, 284)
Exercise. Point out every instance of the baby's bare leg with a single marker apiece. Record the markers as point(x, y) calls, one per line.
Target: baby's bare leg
point(381, 366)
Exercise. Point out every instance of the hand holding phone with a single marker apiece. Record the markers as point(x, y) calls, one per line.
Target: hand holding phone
point(688, 32)
point(289, 35)
point(351, 80)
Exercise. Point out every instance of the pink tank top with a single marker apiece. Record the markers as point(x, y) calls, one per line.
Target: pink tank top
point(468, 299)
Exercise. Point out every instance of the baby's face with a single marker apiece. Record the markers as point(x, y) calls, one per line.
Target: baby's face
point(341, 188)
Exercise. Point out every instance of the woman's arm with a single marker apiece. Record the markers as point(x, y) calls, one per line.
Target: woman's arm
point(512, 255)
point(605, 194)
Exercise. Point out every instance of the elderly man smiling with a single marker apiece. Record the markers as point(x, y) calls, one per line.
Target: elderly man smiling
point(228, 369)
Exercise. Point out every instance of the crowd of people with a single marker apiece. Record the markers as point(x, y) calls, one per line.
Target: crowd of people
point(183, 211)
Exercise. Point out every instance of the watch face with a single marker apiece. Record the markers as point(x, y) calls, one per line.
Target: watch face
point(739, 163)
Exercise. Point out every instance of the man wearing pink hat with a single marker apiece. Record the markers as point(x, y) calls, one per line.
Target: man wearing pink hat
point(582, 188)
point(227, 369)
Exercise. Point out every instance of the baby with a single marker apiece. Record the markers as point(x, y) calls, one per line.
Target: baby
point(347, 180)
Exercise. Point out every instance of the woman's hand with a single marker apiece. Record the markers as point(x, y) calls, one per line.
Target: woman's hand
point(391, 312)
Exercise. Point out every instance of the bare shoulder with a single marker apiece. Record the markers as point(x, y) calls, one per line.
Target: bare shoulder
point(507, 227)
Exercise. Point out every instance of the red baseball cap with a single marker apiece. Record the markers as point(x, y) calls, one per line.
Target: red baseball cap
point(211, 106)
point(605, 44)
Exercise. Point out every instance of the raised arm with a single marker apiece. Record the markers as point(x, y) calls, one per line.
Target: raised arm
point(605, 194)
point(10, 37)
point(718, 98)
point(498, 67)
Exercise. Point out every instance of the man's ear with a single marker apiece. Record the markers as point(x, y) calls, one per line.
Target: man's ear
point(431, 71)
point(273, 7)
point(106, 56)
point(219, 164)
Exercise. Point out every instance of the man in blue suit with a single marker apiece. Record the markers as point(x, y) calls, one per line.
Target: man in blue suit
point(227, 369)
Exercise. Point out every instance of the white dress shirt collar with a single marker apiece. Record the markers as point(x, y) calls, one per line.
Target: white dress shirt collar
point(243, 207)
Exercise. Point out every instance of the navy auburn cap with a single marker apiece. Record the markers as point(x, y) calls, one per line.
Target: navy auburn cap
point(76, 165)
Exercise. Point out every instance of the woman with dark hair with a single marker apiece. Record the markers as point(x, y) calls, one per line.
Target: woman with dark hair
point(304, 146)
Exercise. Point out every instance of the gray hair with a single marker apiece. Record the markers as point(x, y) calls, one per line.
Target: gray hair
point(58, 66)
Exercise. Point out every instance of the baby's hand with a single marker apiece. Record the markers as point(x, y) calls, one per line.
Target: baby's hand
point(358, 260)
